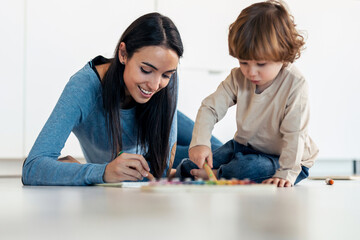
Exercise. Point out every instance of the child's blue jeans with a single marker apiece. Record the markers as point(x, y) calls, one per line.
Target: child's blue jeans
point(234, 160)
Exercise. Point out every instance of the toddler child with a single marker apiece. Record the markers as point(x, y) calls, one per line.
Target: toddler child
point(271, 144)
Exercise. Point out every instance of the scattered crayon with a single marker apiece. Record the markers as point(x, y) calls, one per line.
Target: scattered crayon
point(222, 182)
point(176, 181)
point(211, 182)
point(199, 182)
point(189, 181)
point(329, 181)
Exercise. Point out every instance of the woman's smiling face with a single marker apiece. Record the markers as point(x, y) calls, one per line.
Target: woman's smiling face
point(148, 71)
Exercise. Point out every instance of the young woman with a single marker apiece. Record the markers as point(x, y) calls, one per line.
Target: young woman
point(125, 105)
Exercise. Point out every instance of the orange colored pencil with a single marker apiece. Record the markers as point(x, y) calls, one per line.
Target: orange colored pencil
point(151, 177)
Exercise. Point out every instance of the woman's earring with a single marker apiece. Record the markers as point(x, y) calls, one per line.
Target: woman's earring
point(123, 61)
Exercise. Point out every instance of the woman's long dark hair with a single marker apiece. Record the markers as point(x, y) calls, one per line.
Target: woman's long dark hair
point(154, 118)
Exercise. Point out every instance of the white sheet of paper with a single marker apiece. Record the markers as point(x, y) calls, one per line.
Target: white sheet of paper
point(124, 184)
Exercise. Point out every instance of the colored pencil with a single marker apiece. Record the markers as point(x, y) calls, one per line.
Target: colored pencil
point(209, 172)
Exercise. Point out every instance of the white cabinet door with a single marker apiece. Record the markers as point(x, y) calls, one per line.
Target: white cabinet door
point(62, 37)
point(194, 86)
point(11, 78)
point(330, 64)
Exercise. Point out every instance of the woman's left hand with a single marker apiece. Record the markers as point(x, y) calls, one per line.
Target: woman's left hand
point(280, 182)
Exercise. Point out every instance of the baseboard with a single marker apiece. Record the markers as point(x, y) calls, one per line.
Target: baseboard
point(11, 167)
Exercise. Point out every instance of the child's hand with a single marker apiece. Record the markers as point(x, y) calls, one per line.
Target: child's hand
point(199, 154)
point(280, 182)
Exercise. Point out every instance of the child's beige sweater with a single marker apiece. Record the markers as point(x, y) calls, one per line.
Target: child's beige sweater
point(274, 122)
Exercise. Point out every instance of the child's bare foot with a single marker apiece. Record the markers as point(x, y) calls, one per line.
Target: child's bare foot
point(201, 173)
point(172, 174)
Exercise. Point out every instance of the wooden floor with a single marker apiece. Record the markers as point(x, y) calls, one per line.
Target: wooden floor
point(311, 210)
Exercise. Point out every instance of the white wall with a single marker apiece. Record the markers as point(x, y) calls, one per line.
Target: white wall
point(331, 63)
point(62, 36)
point(44, 42)
point(11, 78)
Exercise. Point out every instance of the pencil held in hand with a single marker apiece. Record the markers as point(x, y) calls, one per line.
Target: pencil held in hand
point(209, 172)
point(151, 177)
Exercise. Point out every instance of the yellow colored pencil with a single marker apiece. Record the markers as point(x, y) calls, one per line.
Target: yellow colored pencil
point(209, 172)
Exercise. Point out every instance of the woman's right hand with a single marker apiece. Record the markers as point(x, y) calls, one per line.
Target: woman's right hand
point(127, 166)
point(199, 154)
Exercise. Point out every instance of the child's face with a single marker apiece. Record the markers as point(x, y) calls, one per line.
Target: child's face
point(261, 73)
point(148, 71)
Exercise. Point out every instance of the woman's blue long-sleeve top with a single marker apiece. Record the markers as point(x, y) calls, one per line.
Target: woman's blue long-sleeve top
point(80, 110)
